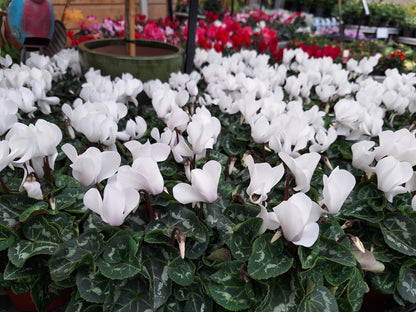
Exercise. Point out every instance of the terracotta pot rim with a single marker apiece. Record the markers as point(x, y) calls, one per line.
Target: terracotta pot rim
point(88, 47)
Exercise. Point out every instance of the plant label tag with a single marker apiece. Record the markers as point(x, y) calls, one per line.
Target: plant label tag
point(366, 10)
point(382, 33)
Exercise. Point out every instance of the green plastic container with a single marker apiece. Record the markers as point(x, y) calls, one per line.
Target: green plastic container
point(154, 60)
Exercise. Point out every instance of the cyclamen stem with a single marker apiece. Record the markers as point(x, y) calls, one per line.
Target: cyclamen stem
point(99, 190)
point(354, 240)
point(243, 273)
point(177, 135)
point(84, 217)
point(148, 204)
point(173, 235)
point(201, 211)
point(350, 223)
point(4, 187)
point(289, 178)
point(180, 238)
point(230, 163)
point(47, 170)
point(237, 198)
point(264, 152)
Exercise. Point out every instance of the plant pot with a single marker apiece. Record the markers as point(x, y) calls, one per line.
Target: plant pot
point(154, 60)
point(23, 302)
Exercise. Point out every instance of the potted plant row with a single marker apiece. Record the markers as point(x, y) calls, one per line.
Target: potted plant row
point(386, 15)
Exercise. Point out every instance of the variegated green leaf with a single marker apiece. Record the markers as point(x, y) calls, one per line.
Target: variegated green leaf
point(22, 250)
point(71, 254)
point(128, 295)
point(38, 229)
point(407, 283)
point(327, 249)
point(268, 259)
point(338, 274)
point(356, 289)
point(40, 207)
point(320, 299)
point(362, 210)
point(173, 305)
point(227, 288)
point(71, 197)
point(243, 237)
point(43, 293)
point(77, 304)
point(239, 213)
point(25, 274)
point(384, 282)
point(7, 237)
point(8, 215)
point(198, 301)
point(155, 269)
point(125, 269)
point(284, 295)
point(93, 287)
point(65, 223)
point(181, 271)
point(399, 233)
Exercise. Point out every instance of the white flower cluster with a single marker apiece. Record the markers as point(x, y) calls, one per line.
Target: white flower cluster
point(24, 89)
point(102, 105)
point(270, 99)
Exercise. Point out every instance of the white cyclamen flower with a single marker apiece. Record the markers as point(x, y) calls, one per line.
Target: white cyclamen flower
point(362, 157)
point(134, 129)
point(34, 142)
point(4, 154)
point(30, 184)
point(337, 187)
point(297, 217)
point(262, 178)
point(302, 168)
point(270, 221)
point(143, 175)
point(401, 144)
point(117, 203)
point(391, 174)
point(92, 166)
point(203, 130)
point(204, 185)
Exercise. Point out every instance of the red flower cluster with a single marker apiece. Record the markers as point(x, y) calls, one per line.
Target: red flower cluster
point(253, 29)
point(401, 55)
point(77, 39)
point(316, 52)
